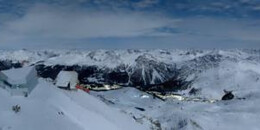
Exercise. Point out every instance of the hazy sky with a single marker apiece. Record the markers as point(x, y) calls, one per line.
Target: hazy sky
point(114, 24)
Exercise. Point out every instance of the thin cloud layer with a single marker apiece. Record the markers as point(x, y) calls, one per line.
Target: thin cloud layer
point(129, 24)
point(46, 22)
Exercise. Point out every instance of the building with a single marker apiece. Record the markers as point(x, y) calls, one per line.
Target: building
point(19, 82)
point(67, 80)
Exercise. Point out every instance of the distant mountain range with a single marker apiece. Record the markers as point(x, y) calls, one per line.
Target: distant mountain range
point(159, 70)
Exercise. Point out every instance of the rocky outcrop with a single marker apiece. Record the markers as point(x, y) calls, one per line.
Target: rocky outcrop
point(228, 95)
point(124, 76)
point(158, 70)
point(8, 64)
point(146, 73)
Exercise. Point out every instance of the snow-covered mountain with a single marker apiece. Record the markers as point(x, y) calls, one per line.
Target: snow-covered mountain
point(143, 68)
point(197, 76)
point(50, 108)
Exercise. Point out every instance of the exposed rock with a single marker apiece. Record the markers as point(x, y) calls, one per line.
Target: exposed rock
point(194, 91)
point(146, 73)
point(8, 64)
point(16, 108)
point(228, 95)
point(148, 70)
point(182, 124)
point(174, 84)
point(140, 109)
point(49, 71)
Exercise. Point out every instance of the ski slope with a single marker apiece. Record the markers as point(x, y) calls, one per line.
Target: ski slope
point(173, 114)
point(50, 108)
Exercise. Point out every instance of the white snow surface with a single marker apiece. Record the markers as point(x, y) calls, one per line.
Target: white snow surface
point(18, 76)
point(238, 72)
point(66, 77)
point(187, 115)
point(40, 111)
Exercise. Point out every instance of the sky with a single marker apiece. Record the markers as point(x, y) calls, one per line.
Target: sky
point(124, 24)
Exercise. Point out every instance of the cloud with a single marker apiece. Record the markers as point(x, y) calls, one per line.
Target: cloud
point(55, 22)
point(120, 23)
point(246, 30)
point(146, 3)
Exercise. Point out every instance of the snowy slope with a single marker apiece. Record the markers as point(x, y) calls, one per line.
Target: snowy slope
point(187, 115)
point(114, 58)
point(128, 67)
point(41, 111)
point(211, 72)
